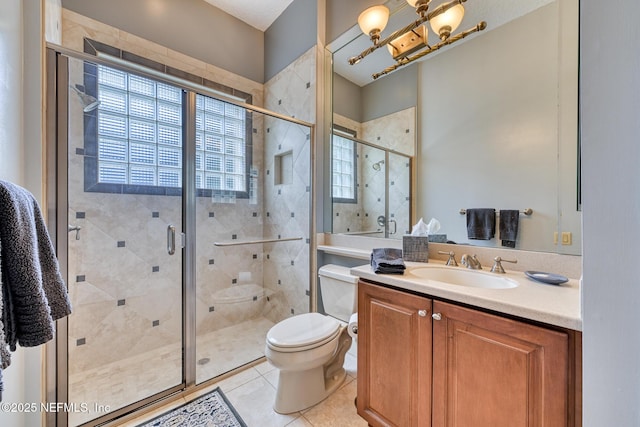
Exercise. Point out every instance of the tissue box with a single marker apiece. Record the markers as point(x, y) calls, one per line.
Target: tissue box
point(415, 248)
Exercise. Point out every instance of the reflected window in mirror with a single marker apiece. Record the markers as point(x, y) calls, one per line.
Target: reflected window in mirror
point(344, 181)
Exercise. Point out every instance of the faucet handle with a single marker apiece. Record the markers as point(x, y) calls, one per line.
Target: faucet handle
point(452, 258)
point(497, 266)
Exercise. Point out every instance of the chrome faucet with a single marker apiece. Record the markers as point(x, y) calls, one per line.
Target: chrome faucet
point(471, 262)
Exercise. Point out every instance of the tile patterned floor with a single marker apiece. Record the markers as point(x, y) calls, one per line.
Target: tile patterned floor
point(119, 383)
point(252, 392)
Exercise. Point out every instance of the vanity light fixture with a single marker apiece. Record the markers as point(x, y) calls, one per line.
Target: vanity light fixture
point(403, 43)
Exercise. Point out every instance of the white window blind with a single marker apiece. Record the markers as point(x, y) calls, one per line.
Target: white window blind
point(344, 168)
point(140, 135)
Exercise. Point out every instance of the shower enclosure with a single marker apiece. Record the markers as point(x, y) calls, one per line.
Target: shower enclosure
point(371, 189)
point(188, 214)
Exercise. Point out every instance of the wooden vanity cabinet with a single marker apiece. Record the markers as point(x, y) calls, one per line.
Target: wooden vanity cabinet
point(462, 367)
point(394, 357)
point(494, 371)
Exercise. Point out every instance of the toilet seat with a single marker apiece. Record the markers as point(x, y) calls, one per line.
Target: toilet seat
point(302, 332)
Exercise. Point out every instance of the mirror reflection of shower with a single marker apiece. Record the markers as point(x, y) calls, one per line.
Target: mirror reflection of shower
point(376, 166)
point(89, 102)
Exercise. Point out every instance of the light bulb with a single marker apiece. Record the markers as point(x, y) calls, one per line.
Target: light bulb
point(373, 20)
point(447, 22)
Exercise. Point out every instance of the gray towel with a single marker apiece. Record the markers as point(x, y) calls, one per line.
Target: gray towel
point(508, 226)
point(5, 356)
point(481, 223)
point(34, 292)
point(387, 261)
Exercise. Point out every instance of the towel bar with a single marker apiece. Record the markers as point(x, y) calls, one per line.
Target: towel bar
point(254, 242)
point(527, 211)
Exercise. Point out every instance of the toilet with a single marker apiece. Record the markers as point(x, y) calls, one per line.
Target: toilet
point(309, 349)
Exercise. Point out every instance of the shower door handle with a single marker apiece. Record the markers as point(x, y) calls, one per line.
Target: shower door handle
point(395, 226)
point(171, 239)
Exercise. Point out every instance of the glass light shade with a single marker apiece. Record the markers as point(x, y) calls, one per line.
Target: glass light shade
point(451, 18)
point(374, 18)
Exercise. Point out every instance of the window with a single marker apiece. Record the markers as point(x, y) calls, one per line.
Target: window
point(344, 181)
point(139, 135)
point(220, 140)
point(138, 140)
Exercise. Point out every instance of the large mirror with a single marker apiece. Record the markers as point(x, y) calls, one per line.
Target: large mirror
point(495, 118)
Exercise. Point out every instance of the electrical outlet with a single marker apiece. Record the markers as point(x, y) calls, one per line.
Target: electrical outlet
point(566, 238)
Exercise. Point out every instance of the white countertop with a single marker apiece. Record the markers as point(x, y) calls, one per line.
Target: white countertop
point(552, 304)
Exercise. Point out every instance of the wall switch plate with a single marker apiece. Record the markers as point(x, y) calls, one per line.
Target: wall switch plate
point(555, 237)
point(566, 238)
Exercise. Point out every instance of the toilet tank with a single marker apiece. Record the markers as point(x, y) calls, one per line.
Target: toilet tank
point(338, 289)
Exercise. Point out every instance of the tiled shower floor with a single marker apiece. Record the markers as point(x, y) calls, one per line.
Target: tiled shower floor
point(120, 383)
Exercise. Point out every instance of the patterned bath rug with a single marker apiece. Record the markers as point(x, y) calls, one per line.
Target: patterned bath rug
point(211, 410)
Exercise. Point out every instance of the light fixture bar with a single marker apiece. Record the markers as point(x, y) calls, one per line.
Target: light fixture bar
point(404, 61)
point(423, 18)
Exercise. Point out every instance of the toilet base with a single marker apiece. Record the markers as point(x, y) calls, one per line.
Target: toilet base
point(299, 390)
point(305, 389)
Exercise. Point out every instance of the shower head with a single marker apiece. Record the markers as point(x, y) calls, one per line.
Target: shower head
point(376, 166)
point(89, 102)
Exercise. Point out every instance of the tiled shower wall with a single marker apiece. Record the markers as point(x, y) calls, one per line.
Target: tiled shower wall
point(396, 131)
point(287, 205)
point(127, 291)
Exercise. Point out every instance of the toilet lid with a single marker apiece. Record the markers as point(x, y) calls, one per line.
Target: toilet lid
point(302, 330)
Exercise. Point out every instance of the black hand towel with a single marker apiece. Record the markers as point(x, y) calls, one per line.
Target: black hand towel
point(481, 223)
point(509, 227)
point(387, 261)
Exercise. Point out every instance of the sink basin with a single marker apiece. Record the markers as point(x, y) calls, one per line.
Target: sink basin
point(460, 277)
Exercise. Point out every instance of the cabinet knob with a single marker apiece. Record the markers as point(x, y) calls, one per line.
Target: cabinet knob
point(436, 316)
point(422, 313)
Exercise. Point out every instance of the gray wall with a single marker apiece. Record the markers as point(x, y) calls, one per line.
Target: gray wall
point(347, 98)
point(192, 27)
point(343, 14)
point(500, 124)
point(610, 82)
point(291, 35)
point(398, 90)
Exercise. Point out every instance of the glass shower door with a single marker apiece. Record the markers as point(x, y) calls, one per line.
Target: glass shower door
point(124, 152)
point(150, 167)
point(253, 179)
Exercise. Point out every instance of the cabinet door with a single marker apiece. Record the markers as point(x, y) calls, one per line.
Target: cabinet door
point(394, 357)
point(493, 371)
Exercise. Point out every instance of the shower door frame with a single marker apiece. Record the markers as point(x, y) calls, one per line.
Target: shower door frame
point(57, 140)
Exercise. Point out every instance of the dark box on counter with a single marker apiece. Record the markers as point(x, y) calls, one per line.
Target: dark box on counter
point(415, 248)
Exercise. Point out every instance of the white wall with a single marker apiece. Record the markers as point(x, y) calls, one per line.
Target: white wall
point(610, 126)
point(11, 155)
point(11, 161)
point(21, 162)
